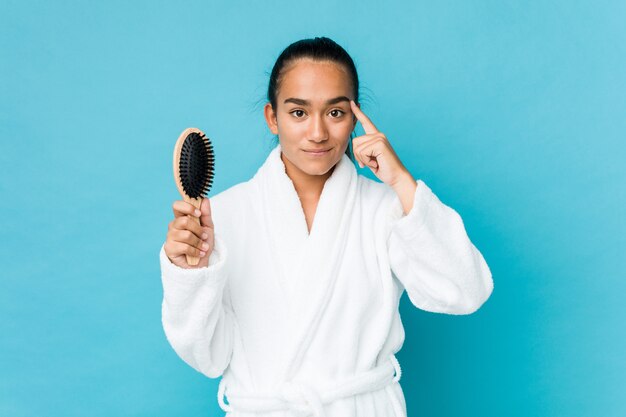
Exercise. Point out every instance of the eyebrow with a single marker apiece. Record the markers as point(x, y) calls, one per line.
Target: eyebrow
point(304, 102)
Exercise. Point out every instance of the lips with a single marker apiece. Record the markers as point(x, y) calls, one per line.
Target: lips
point(316, 150)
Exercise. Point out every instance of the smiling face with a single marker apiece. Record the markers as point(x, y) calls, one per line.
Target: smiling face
point(312, 114)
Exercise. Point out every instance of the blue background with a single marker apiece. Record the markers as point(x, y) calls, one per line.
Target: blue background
point(513, 112)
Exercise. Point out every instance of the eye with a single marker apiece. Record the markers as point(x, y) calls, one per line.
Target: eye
point(295, 111)
point(337, 110)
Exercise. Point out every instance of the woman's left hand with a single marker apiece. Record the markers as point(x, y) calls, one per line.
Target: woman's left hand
point(374, 150)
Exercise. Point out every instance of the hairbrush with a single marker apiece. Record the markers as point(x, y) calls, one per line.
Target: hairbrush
point(194, 163)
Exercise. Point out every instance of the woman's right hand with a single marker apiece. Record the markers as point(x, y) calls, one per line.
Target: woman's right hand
point(186, 237)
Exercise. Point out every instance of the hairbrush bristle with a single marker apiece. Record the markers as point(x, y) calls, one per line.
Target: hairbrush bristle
point(196, 166)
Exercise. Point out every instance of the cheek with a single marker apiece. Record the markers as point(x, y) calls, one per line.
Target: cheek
point(290, 128)
point(343, 128)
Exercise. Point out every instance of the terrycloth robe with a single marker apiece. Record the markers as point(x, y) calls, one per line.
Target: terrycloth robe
point(308, 324)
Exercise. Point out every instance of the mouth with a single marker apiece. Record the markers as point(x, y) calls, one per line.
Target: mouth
point(317, 152)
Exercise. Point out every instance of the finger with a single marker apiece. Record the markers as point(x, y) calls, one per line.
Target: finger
point(206, 219)
point(185, 249)
point(356, 142)
point(365, 138)
point(367, 124)
point(363, 141)
point(186, 236)
point(190, 224)
point(182, 208)
point(205, 234)
point(174, 249)
point(363, 152)
point(356, 156)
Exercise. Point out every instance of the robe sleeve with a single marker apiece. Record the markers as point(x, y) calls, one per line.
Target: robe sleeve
point(432, 256)
point(196, 315)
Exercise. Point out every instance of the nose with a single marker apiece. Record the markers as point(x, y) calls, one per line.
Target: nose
point(317, 129)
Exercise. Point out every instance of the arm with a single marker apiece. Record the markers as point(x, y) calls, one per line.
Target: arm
point(432, 256)
point(197, 321)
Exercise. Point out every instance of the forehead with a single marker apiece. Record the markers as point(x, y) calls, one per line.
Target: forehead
point(314, 80)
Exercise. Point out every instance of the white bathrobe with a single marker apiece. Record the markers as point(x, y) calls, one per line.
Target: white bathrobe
point(302, 324)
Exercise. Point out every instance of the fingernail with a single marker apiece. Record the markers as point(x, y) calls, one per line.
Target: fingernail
point(197, 212)
point(205, 246)
point(204, 235)
point(202, 253)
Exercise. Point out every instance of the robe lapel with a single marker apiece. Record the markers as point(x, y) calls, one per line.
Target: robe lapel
point(307, 264)
point(284, 220)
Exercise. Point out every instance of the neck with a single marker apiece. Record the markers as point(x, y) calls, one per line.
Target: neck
point(307, 186)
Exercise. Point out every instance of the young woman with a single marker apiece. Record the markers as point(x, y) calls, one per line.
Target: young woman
point(295, 299)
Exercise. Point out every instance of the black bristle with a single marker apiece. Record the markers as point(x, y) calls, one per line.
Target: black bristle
point(196, 167)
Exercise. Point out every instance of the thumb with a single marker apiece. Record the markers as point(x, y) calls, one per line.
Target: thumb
point(205, 217)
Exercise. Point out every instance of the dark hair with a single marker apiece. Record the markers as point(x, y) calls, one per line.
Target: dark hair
point(318, 49)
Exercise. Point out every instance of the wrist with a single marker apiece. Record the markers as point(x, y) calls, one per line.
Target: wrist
point(404, 182)
point(405, 187)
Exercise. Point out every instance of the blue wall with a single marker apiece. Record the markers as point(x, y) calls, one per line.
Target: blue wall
point(513, 112)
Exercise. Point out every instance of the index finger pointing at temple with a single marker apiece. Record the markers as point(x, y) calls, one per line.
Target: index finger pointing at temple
point(367, 124)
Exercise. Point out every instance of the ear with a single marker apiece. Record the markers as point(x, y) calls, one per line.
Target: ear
point(270, 118)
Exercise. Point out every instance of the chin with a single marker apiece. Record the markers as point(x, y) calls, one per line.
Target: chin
point(316, 169)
